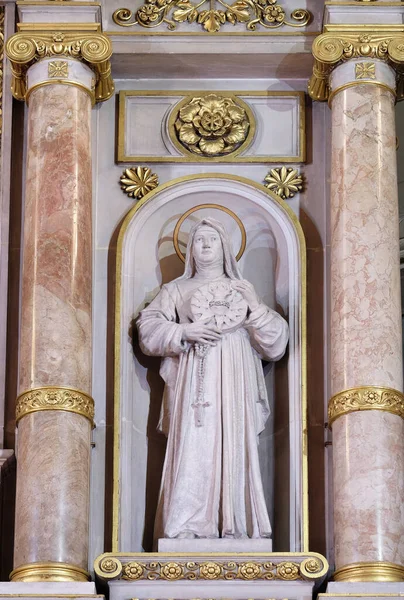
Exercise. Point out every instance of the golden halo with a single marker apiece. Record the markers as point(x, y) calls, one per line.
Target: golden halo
point(217, 207)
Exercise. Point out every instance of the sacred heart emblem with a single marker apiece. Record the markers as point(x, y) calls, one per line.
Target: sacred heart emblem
point(218, 304)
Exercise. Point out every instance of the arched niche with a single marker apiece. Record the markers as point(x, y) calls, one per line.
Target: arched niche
point(274, 261)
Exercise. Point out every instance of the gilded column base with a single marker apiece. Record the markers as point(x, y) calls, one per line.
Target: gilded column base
point(51, 571)
point(370, 571)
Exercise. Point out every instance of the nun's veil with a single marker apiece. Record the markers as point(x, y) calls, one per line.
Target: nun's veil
point(230, 263)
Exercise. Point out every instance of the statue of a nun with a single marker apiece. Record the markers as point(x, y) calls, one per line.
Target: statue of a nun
point(214, 332)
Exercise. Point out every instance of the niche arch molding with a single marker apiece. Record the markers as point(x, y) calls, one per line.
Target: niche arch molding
point(275, 259)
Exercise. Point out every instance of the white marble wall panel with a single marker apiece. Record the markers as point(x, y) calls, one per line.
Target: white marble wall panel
point(144, 131)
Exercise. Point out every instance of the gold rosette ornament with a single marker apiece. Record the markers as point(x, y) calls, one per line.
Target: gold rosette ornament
point(138, 181)
point(212, 125)
point(211, 570)
point(285, 182)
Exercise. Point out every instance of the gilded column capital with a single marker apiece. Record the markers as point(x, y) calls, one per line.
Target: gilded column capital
point(91, 48)
point(333, 48)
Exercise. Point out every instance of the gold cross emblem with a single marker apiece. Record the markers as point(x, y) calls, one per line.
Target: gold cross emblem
point(365, 70)
point(58, 69)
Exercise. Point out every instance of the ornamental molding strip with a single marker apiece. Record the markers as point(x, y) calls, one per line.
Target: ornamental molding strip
point(92, 48)
point(365, 398)
point(335, 47)
point(55, 398)
point(267, 14)
point(291, 566)
point(2, 18)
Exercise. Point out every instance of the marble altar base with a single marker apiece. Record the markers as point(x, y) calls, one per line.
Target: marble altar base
point(371, 590)
point(215, 545)
point(185, 590)
point(49, 590)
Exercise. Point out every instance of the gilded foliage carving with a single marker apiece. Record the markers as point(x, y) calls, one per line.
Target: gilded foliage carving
point(211, 15)
point(365, 398)
point(55, 398)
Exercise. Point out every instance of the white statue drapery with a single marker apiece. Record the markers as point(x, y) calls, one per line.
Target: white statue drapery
point(215, 402)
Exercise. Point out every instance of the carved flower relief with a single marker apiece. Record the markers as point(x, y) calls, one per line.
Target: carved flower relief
point(212, 125)
point(148, 13)
point(172, 571)
point(250, 571)
point(211, 570)
point(132, 570)
point(288, 571)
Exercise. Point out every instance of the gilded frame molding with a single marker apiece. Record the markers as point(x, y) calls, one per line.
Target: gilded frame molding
point(188, 157)
point(176, 566)
point(304, 529)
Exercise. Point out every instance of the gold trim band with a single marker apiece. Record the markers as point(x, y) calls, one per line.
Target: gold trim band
point(50, 571)
point(366, 398)
point(55, 398)
point(60, 82)
point(370, 571)
point(355, 83)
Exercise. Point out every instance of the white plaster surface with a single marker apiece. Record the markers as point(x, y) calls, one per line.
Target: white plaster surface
point(215, 545)
point(49, 589)
point(277, 125)
point(365, 587)
point(377, 14)
point(53, 13)
point(78, 72)
point(236, 590)
point(345, 73)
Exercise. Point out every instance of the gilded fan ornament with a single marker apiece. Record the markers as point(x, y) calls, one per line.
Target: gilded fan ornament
point(212, 125)
point(212, 14)
point(138, 181)
point(285, 182)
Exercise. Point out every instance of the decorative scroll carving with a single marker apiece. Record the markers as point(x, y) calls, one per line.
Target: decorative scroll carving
point(285, 182)
point(94, 49)
point(164, 568)
point(138, 181)
point(365, 398)
point(212, 125)
point(265, 13)
point(55, 398)
point(331, 49)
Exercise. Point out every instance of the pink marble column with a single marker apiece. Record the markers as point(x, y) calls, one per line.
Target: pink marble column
point(366, 347)
point(55, 341)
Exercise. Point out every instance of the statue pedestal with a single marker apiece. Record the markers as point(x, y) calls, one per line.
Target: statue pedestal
point(211, 575)
point(215, 545)
point(49, 590)
point(236, 590)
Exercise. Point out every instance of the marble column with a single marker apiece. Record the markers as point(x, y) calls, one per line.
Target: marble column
point(366, 409)
point(54, 409)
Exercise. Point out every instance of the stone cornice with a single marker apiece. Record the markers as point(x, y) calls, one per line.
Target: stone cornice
point(92, 48)
point(345, 43)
